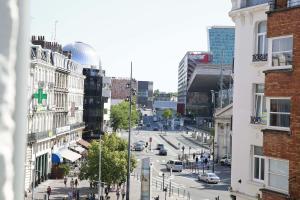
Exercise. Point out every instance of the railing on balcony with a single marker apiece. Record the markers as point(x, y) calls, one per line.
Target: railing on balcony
point(259, 57)
point(258, 120)
point(249, 3)
point(281, 4)
point(77, 125)
point(32, 137)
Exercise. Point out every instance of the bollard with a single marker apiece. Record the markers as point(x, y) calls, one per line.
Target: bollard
point(156, 184)
point(183, 193)
point(178, 191)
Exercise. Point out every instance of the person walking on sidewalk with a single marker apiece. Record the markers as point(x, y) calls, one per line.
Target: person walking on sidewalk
point(76, 183)
point(48, 191)
point(118, 193)
point(65, 181)
point(123, 193)
point(72, 183)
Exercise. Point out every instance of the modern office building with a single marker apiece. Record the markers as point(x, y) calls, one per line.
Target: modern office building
point(249, 170)
point(164, 96)
point(281, 141)
point(55, 110)
point(145, 94)
point(185, 70)
point(94, 94)
point(221, 44)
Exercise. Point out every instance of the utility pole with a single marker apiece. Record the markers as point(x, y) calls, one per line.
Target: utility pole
point(100, 181)
point(221, 80)
point(129, 139)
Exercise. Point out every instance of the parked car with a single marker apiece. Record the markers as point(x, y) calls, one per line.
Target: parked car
point(176, 165)
point(209, 178)
point(155, 129)
point(163, 152)
point(139, 147)
point(159, 146)
point(226, 160)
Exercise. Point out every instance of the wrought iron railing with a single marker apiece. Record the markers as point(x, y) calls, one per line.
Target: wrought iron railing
point(257, 120)
point(259, 57)
point(32, 137)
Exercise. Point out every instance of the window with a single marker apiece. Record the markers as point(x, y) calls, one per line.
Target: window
point(292, 3)
point(258, 164)
point(262, 42)
point(259, 105)
point(278, 172)
point(282, 51)
point(279, 113)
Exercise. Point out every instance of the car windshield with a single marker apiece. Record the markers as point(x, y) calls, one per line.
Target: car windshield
point(212, 175)
point(178, 163)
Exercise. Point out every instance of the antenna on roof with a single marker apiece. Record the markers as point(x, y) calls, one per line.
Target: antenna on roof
point(55, 23)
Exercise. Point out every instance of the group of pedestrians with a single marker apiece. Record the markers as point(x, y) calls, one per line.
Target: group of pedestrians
point(119, 193)
point(74, 192)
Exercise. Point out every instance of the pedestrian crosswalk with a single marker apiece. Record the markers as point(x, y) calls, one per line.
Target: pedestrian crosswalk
point(168, 180)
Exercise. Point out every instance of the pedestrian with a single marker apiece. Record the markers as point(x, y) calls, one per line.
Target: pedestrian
point(123, 193)
point(106, 191)
point(65, 181)
point(72, 183)
point(48, 191)
point(118, 193)
point(194, 155)
point(91, 184)
point(77, 194)
point(76, 182)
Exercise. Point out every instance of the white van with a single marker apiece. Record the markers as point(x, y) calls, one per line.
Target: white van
point(176, 165)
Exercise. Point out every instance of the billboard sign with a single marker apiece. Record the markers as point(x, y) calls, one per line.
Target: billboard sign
point(200, 57)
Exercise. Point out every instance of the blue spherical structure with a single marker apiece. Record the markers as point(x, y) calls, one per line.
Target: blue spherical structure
point(83, 54)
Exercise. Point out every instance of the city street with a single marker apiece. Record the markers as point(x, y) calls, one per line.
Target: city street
point(186, 180)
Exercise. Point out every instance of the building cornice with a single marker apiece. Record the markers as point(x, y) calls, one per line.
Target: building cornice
point(245, 11)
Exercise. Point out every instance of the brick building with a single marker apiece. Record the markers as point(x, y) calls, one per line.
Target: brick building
point(119, 90)
point(281, 138)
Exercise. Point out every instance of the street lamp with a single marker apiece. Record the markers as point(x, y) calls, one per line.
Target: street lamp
point(131, 92)
point(213, 123)
point(100, 181)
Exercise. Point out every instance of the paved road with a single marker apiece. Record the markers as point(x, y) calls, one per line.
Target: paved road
point(185, 180)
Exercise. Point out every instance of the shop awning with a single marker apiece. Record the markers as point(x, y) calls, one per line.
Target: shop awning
point(56, 158)
point(70, 155)
point(84, 143)
point(79, 149)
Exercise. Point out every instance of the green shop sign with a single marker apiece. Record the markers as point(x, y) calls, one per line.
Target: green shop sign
point(40, 96)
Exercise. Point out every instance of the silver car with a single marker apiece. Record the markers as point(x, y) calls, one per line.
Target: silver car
point(209, 178)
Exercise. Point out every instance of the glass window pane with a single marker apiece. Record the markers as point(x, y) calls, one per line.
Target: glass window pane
point(256, 168)
point(280, 182)
point(258, 105)
point(281, 120)
point(280, 105)
point(258, 151)
point(262, 27)
point(262, 169)
point(275, 45)
point(266, 43)
point(279, 167)
point(260, 44)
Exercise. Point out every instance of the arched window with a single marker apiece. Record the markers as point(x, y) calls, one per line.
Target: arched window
point(261, 39)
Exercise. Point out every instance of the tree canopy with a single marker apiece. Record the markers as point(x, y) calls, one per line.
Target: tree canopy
point(167, 114)
point(120, 115)
point(113, 160)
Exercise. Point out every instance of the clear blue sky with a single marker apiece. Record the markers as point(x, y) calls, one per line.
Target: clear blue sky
point(154, 34)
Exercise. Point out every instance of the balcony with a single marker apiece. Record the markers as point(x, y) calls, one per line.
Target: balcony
point(77, 125)
point(250, 3)
point(258, 120)
point(283, 4)
point(33, 137)
point(259, 57)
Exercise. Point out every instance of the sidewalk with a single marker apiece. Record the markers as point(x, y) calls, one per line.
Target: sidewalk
point(59, 191)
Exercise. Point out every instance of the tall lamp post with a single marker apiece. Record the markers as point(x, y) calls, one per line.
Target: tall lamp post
point(213, 100)
point(100, 181)
point(129, 138)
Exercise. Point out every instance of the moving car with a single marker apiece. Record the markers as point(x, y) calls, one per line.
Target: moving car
point(139, 147)
point(209, 178)
point(163, 152)
point(176, 165)
point(160, 146)
point(226, 160)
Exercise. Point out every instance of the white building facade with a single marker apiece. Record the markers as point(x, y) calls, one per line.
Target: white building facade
point(55, 93)
point(249, 105)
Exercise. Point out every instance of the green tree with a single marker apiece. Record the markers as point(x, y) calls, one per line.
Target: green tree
point(113, 161)
point(120, 115)
point(167, 114)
